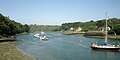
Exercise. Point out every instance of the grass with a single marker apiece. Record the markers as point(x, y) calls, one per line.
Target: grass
point(8, 51)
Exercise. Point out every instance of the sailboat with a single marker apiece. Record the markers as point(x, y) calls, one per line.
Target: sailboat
point(105, 45)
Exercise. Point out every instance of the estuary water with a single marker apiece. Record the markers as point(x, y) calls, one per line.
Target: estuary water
point(63, 47)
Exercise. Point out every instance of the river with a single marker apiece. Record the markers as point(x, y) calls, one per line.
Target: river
point(63, 47)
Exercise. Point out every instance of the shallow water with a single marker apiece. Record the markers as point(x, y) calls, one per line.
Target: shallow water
point(63, 47)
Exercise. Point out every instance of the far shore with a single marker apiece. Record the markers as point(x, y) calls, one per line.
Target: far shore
point(113, 37)
point(109, 37)
point(72, 32)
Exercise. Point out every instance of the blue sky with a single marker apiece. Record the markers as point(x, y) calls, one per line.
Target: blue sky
point(45, 12)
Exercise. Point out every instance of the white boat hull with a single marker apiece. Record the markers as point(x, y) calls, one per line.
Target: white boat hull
point(106, 47)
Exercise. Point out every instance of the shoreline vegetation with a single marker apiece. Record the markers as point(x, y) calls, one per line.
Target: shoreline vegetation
point(102, 37)
point(72, 33)
point(99, 35)
point(8, 30)
point(8, 51)
point(94, 29)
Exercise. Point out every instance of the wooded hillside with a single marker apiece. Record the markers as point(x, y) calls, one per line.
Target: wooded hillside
point(9, 27)
point(113, 23)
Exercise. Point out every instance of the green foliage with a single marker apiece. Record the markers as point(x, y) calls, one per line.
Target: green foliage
point(84, 25)
point(117, 29)
point(9, 27)
point(26, 28)
point(44, 28)
point(100, 23)
point(113, 23)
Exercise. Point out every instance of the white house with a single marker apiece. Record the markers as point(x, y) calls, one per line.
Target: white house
point(79, 29)
point(103, 28)
point(71, 29)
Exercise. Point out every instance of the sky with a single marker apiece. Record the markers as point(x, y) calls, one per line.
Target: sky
point(56, 12)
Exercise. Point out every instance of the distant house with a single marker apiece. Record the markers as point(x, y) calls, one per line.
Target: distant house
point(71, 29)
point(103, 28)
point(109, 28)
point(79, 29)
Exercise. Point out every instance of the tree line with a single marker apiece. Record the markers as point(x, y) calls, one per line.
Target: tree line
point(10, 28)
point(113, 23)
point(34, 28)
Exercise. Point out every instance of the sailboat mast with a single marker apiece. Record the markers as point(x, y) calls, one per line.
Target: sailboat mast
point(106, 32)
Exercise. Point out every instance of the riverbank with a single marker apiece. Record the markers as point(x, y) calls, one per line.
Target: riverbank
point(8, 50)
point(109, 37)
point(93, 34)
point(72, 32)
point(4, 39)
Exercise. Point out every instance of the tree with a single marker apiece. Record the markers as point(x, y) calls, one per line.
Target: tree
point(9, 27)
point(117, 29)
point(26, 28)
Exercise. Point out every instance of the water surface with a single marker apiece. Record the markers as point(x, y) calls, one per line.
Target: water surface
point(63, 47)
